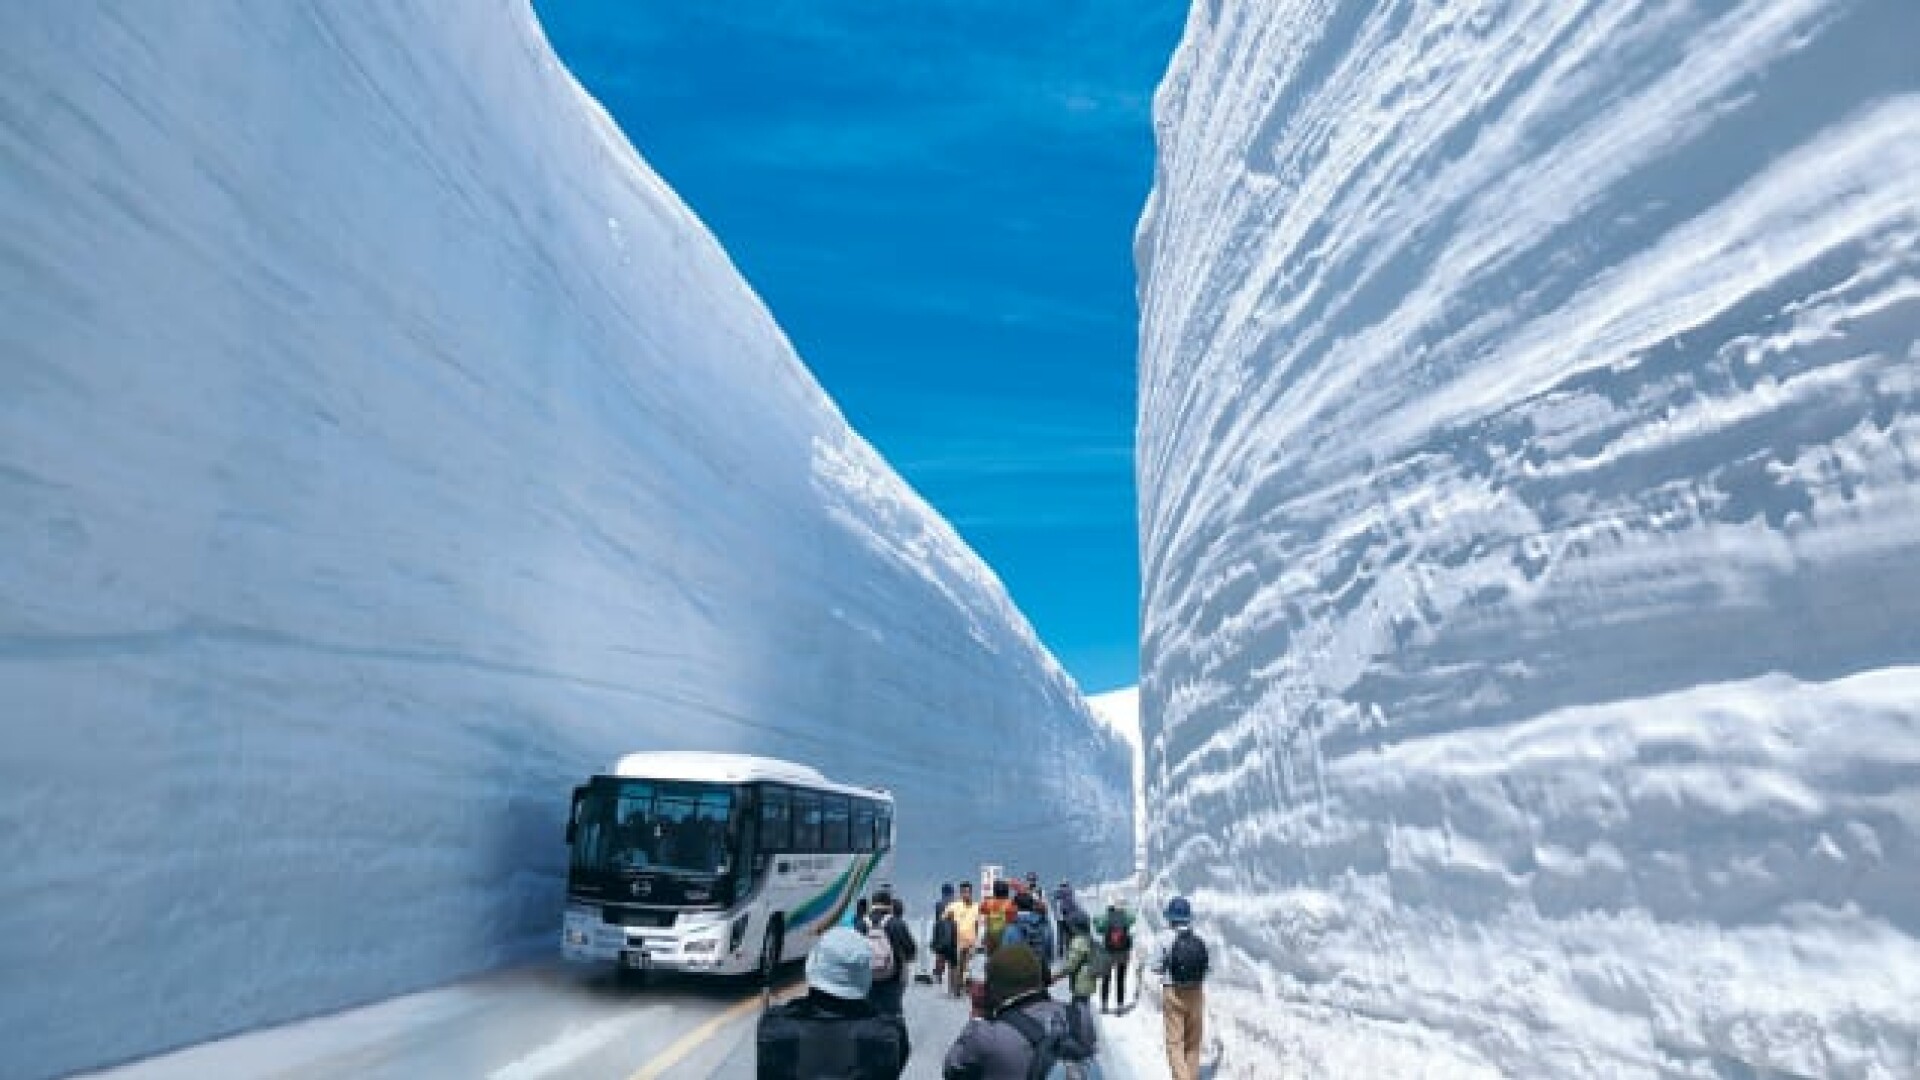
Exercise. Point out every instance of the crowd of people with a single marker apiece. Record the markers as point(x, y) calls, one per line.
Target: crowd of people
point(1003, 953)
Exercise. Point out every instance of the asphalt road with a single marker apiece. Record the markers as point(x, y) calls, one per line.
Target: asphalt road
point(528, 1023)
point(535, 1023)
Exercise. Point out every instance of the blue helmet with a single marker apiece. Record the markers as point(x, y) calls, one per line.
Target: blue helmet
point(1179, 912)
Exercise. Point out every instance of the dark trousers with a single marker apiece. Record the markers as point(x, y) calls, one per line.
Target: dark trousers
point(886, 996)
point(1116, 974)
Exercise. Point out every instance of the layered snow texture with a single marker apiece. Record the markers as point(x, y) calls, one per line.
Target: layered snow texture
point(1530, 478)
point(384, 449)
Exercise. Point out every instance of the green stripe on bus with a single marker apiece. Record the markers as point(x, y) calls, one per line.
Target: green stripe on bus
point(838, 896)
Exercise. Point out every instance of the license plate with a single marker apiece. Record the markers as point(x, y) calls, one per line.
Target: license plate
point(636, 958)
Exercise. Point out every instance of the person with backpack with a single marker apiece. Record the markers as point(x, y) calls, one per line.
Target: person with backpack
point(1082, 974)
point(833, 1030)
point(1039, 895)
point(1113, 933)
point(965, 915)
point(942, 954)
point(891, 949)
point(996, 912)
point(1030, 928)
point(944, 944)
point(1065, 905)
point(1182, 967)
point(1025, 1033)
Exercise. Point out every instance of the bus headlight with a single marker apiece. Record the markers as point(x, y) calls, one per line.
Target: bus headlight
point(739, 933)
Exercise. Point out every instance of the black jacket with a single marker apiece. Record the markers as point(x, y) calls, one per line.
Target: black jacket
point(905, 951)
point(821, 1037)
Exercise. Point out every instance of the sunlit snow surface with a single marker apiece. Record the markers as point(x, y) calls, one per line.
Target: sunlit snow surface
point(1530, 467)
point(383, 448)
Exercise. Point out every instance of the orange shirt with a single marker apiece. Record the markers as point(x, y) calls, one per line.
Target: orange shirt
point(990, 907)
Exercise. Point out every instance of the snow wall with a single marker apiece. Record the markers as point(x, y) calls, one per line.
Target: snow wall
point(384, 449)
point(1530, 475)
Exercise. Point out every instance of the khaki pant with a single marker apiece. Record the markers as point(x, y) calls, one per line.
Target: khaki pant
point(957, 971)
point(1184, 1010)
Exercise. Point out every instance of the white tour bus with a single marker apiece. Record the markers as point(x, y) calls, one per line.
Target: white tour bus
point(718, 863)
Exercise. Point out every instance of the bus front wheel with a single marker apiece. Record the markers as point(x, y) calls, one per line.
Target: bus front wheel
point(770, 952)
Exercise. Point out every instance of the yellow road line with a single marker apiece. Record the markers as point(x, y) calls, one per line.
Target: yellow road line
point(691, 1041)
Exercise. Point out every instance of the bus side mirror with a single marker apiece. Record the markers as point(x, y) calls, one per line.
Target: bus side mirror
point(573, 814)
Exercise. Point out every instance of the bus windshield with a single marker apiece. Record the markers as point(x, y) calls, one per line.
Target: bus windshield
point(661, 826)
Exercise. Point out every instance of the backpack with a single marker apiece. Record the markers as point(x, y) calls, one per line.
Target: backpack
point(945, 937)
point(1044, 1040)
point(1187, 959)
point(996, 918)
point(1117, 939)
point(1100, 958)
point(886, 966)
point(1016, 934)
point(789, 1042)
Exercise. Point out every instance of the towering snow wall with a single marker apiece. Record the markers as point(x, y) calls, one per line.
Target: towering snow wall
point(383, 449)
point(1530, 474)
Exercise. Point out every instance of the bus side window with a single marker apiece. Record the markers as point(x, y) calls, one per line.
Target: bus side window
point(835, 815)
point(741, 836)
point(776, 833)
point(806, 821)
point(863, 821)
point(884, 823)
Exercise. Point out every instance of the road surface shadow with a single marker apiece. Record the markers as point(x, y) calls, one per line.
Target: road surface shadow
point(611, 985)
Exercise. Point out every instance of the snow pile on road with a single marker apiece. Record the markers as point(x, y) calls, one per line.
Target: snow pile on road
point(384, 448)
point(1530, 468)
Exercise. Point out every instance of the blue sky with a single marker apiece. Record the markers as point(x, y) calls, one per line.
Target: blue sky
point(937, 201)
